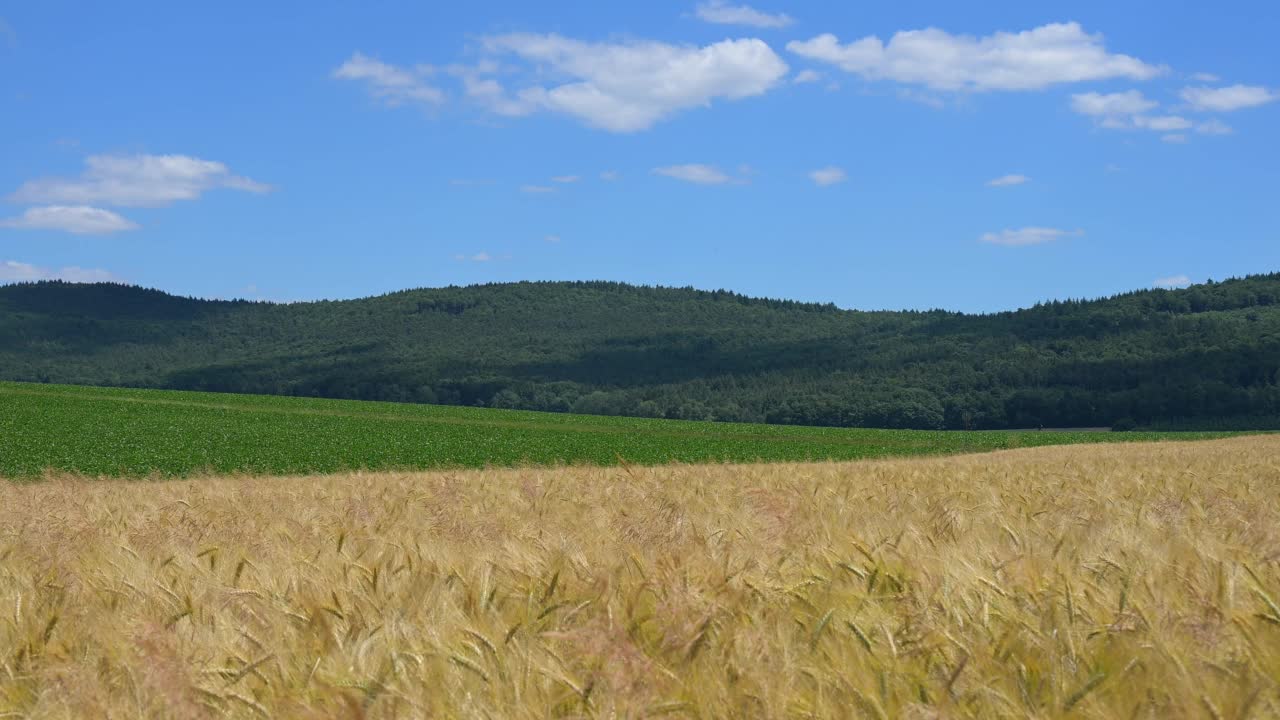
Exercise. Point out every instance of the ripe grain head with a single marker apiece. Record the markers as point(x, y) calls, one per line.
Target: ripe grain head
point(1090, 581)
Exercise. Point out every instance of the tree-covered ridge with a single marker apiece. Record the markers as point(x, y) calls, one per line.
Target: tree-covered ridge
point(1207, 356)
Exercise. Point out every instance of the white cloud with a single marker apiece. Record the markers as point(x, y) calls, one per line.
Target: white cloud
point(13, 271)
point(493, 97)
point(610, 175)
point(626, 87)
point(551, 239)
point(1008, 180)
point(1174, 138)
point(1226, 99)
point(807, 76)
point(1214, 127)
point(479, 257)
point(536, 189)
point(78, 219)
point(924, 98)
point(136, 181)
point(1029, 60)
point(1127, 111)
point(389, 83)
point(1163, 123)
point(695, 173)
point(722, 13)
point(826, 176)
point(1173, 281)
point(566, 179)
point(1205, 77)
point(1027, 236)
point(1131, 102)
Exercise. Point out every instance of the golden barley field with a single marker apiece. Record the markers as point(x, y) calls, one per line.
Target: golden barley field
point(1121, 581)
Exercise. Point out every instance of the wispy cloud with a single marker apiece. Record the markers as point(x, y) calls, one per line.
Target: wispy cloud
point(536, 189)
point(1214, 127)
point(12, 271)
point(136, 181)
point(807, 76)
point(8, 36)
point(827, 176)
point(1118, 104)
point(1029, 60)
point(721, 12)
point(1129, 110)
point(78, 219)
point(1172, 282)
point(610, 175)
point(393, 85)
point(1174, 138)
point(480, 257)
point(695, 173)
point(1227, 99)
point(566, 179)
point(1008, 181)
point(1027, 236)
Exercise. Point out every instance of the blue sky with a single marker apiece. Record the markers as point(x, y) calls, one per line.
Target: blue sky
point(888, 155)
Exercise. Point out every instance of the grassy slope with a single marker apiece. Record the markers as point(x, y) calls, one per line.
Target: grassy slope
point(105, 431)
point(1129, 581)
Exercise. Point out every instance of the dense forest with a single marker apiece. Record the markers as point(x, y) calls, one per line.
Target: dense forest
point(1204, 357)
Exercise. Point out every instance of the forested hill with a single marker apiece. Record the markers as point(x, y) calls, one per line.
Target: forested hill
point(1207, 356)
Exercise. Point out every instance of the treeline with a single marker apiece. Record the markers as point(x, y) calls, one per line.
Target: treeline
point(1204, 357)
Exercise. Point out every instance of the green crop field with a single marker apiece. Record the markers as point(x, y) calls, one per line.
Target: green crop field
point(138, 433)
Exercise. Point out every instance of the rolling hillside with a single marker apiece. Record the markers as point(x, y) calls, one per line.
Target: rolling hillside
point(1205, 357)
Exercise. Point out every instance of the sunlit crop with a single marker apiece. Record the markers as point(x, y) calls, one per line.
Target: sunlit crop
point(1132, 580)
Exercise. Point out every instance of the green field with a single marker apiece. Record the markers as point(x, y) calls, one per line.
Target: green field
point(137, 433)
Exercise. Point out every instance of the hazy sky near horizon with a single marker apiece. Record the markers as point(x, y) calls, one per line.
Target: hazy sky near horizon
point(876, 155)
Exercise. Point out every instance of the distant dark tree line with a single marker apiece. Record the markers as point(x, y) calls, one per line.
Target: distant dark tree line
point(1204, 357)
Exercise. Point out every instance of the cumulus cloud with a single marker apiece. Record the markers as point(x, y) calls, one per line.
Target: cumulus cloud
point(722, 13)
point(627, 87)
point(1226, 99)
point(1026, 236)
point(136, 181)
point(78, 219)
point(1172, 282)
point(1008, 180)
point(807, 76)
point(695, 173)
point(13, 271)
point(391, 84)
point(826, 176)
point(1029, 60)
